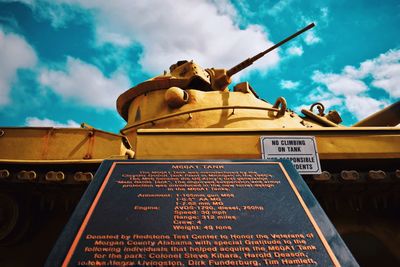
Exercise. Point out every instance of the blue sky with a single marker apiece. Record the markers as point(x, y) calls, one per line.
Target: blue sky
point(63, 62)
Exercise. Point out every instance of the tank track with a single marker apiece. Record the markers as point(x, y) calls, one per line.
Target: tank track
point(30, 193)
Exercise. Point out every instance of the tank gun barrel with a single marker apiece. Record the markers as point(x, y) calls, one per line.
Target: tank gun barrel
point(244, 64)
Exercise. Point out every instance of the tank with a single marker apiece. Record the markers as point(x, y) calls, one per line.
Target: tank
point(196, 113)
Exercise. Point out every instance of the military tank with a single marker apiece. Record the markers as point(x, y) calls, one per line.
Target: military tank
point(191, 113)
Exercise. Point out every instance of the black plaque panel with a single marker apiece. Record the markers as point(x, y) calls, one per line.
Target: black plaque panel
point(199, 213)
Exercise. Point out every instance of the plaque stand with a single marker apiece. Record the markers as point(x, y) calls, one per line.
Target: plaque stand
point(199, 213)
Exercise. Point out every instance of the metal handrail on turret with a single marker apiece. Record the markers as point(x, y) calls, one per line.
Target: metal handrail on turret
point(176, 114)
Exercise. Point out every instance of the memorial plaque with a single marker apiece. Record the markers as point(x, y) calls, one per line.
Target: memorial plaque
point(199, 213)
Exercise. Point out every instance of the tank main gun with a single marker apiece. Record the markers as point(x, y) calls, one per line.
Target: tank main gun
point(224, 79)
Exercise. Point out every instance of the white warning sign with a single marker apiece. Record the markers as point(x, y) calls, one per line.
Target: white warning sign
point(301, 150)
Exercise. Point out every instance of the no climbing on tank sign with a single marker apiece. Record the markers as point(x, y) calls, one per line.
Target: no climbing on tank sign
point(301, 150)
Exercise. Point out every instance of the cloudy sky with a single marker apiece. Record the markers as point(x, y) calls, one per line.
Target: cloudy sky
point(63, 62)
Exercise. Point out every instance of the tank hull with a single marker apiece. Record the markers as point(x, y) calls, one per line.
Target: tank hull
point(362, 206)
point(43, 174)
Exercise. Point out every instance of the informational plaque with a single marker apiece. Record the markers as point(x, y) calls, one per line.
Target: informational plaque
point(199, 213)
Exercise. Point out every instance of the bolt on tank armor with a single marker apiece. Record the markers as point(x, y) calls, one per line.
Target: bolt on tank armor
point(190, 113)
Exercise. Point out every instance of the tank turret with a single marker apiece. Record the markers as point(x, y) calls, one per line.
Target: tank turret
point(188, 75)
point(192, 97)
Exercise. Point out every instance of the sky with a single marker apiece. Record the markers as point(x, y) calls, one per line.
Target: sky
point(64, 62)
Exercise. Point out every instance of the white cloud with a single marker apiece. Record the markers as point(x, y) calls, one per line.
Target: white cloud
point(85, 83)
point(363, 106)
point(15, 54)
point(279, 7)
point(295, 50)
point(324, 14)
point(390, 84)
point(321, 19)
point(340, 84)
point(225, 7)
point(104, 36)
point(59, 15)
point(384, 71)
point(353, 84)
point(171, 30)
point(36, 122)
point(287, 84)
point(311, 38)
point(326, 98)
point(360, 106)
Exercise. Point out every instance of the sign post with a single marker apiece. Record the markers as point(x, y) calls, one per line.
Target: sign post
point(199, 213)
